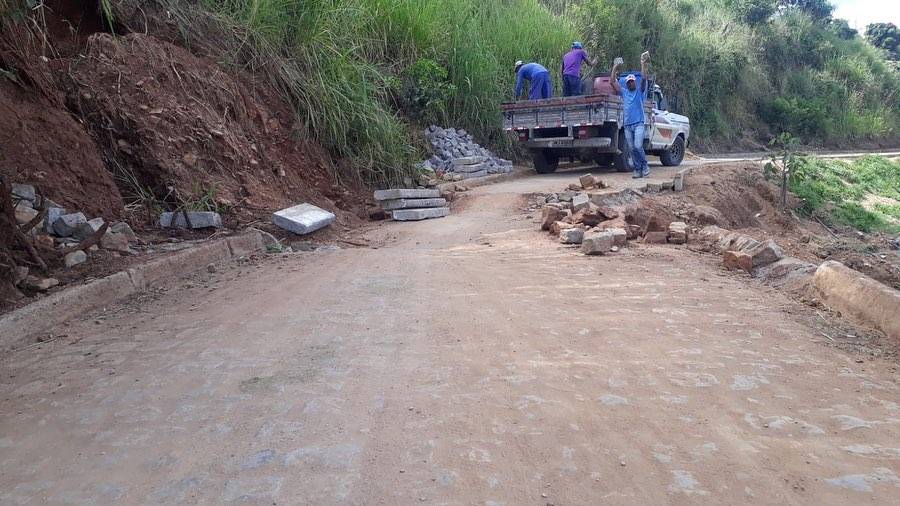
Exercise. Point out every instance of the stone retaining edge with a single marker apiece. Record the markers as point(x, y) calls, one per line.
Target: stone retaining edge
point(856, 295)
point(486, 180)
point(44, 314)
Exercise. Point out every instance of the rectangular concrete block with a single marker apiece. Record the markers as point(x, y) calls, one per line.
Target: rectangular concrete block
point(470, 175)
point(183, 262)
point(468, 169)
point(468, 160)
point(390, 205)
point(43, 314)
point(406, 193)
point(303, 219)
point(859, 296)
point(199, 219)
point(246, 244)
point(420, 214)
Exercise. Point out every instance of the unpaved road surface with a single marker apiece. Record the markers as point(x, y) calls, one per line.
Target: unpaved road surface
point(469, 360)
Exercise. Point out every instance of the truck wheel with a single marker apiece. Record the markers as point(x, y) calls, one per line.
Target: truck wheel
point(604, 159)
point(622, 160)
point(545, 161)
point(675, 154)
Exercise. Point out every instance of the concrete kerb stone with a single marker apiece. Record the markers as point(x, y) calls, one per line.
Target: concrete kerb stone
point(489, 179)
point(48, 312)
point(859, 296)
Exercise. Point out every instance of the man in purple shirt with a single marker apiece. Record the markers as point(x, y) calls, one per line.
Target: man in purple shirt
point(571, 69)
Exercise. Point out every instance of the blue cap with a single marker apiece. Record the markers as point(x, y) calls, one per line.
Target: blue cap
point(576, 45)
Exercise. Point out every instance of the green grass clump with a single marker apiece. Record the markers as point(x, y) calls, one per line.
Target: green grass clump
point(838, 191)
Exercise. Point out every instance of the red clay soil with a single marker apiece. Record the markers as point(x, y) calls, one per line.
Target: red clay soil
point(46, 146)
point(742, 200)
point(185, 127)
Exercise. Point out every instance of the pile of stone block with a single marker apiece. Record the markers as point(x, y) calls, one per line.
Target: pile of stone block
point(409, 204)
point(455, 152)
point(303, 219)
point(63, 229)
point(575, 220)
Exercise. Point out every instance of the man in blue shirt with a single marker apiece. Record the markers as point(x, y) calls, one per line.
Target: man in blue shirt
point(633, 95)
point(571, 69)
point(537, 76)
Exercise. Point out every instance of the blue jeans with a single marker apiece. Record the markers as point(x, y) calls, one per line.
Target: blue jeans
point(571, 86)
point(634, 141)
point(541, 86)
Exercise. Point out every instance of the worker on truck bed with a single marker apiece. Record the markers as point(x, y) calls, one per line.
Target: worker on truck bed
point(571, 69)
point(537, 76)
point(633, 95)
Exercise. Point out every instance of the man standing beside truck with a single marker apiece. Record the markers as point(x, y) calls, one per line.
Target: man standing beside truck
point(633, 95)
point(538, 78)
point(571, 69)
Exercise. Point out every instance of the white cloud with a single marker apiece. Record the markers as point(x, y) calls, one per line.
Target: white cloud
point(860, 13)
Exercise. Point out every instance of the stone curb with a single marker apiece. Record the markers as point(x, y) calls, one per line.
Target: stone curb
point(42, 315)
point(486, 180)
point(859, 296)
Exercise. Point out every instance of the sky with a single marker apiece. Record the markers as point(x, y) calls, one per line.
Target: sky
point(860, 13)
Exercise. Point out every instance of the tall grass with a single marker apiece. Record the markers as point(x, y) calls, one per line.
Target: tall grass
point(339, 62)
point(340, 59)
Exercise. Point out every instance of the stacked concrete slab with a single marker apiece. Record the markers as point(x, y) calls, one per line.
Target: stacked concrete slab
point(412, 204)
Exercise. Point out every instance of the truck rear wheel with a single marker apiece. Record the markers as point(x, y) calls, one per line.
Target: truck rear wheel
point(604, 159)
point(622, 159)
point(545, 161)
point(673, 156)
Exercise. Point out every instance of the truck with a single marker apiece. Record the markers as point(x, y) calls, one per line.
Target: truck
point(589, 127)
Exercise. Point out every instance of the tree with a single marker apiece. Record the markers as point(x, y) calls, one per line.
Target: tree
point(753, 12)
point(816, 9)
point(842, 28)
point(885, 36)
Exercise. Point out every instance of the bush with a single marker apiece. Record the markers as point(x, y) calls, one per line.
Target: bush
point(426, 93)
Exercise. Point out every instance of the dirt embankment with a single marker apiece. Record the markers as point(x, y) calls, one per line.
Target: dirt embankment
point(124, 125)
point(737, 197)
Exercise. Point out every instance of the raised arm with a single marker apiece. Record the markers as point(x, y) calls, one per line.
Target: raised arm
point(645, 63)
point(614, 79)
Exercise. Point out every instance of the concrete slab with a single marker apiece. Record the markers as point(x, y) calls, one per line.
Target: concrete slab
point(303, 219)
point(420, 214)
point(390, 205)
point(406, 193)
point(199, 219)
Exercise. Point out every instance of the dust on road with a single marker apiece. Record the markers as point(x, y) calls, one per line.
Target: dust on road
point(468, 361)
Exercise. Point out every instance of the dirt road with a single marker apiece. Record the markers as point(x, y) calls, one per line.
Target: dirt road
point(470, 360)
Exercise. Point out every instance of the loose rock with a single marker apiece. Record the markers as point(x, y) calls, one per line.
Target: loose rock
point(598, 243)
point(571, 236)
point(65, 225)
point(37, 284)
point(550, 215)
point(678, 232)
point(734, 260)
point(656, 237)
point(74, 258)
point(87, 229)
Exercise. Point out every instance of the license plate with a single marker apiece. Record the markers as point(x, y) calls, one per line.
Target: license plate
point(561, 144)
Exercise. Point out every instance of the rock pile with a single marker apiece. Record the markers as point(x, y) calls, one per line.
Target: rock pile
point(455, 152)
point(62, 229)
point(413, 204)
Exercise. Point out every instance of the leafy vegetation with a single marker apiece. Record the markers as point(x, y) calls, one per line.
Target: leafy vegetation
point(864, 194)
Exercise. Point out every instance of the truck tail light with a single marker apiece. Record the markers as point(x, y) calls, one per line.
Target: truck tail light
point(583, 133)
point(523, 135)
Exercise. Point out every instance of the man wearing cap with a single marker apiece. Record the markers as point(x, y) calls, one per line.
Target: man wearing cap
point(571, 69)
point(633, 95)
point(537, 76)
